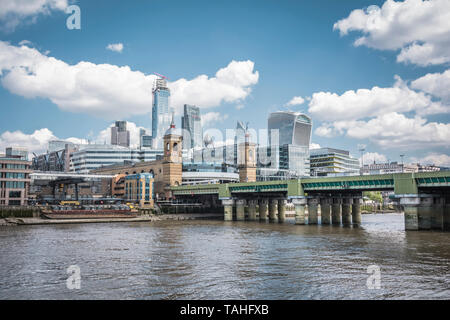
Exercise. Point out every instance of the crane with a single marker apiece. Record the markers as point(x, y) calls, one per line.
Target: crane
point(160, 75)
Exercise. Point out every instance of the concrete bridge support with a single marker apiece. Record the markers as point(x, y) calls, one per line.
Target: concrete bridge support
point(299, 205)
point(263, 210)
point(325, 210)
point(273, 210)
point(240, 210)
point(252, 210)
point(437, 215)
point(336, 211)
point(418, 211)
point(228, 209)
point(281, 210)
point(346, 211)
point(446, 213)
point(313, 210)
point(356, 212)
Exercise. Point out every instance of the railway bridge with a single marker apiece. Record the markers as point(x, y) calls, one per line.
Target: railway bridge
point(425, 197)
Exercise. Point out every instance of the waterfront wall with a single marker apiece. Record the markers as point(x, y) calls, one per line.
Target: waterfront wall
point(19, 212)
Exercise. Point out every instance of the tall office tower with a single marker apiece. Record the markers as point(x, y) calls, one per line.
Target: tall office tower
point(120, 136)
point(192, 127)
point(161, 113)
point(294, 137)
point(142, 132)
point(293, 128)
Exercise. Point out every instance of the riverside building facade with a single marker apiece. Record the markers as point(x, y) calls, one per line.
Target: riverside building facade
point(15, 173)
point(330, 161)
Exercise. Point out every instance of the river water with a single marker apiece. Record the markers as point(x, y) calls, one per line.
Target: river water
point(225, 260)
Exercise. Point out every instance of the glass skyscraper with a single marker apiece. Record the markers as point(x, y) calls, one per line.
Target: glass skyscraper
point(192, 127)
point(161, 113)
point(294, 137)
point(293, 127)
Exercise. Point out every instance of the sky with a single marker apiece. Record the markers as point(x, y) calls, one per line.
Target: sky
point(372, 74)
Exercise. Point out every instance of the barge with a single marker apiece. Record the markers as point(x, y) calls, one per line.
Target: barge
point(89, 212)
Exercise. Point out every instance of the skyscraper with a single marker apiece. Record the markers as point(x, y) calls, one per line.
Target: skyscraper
point(120, 136)
point(294, 137)
point(293, 128)
point(161, 113)
point(192, 127)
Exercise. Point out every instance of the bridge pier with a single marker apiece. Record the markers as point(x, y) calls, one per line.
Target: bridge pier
point(252, 210)
point(281, 210)
point(273, 210)
point(336, 211)
point(263, 203)
point(228, 209)
point(437, 216)
point(356, 212)
point(419, 210)
point(325, 210)
point(299, 205)
point(240, 210)
point(346, 211)
point(313, 208)
point(446, 213)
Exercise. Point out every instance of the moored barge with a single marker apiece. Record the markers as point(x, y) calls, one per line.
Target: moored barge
point(89, 212)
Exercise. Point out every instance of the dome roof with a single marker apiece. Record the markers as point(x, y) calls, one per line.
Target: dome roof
point(172, 130)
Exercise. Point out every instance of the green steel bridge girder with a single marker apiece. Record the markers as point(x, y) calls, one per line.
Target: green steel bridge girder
point(401, 183)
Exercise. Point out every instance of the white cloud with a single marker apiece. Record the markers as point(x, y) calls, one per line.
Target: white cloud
point(116, 47)
point(437, 84)
point(314, 146)
point(14, 12)
point(437, 159)
point(372, 157)
point(113, 92)
point(38, 140)
point(391, 130)
point(230, 84)
point(295, 101)
point(373, 102)
point(419, 29)
point(240, 106)
point(212, 117)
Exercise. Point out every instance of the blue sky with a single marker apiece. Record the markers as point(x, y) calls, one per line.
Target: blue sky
point(292, 46)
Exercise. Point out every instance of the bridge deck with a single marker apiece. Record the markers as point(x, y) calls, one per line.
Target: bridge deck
point(401, 183)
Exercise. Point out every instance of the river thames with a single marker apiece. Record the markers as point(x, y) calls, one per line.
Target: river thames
point(207, 259)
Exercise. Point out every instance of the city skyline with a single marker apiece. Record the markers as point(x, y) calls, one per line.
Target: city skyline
point(358, 86)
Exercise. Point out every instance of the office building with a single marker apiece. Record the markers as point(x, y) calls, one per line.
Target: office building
point(94, 156)
point(17, 152)
point(192, 127)
point(139, 188)
point(57, 157)
point(15, 172)
point(120, 136)
point(329, 161)
point(291, 157)
point(395, 167)
point(294, 128)
point(146, 141)
point(161, 113)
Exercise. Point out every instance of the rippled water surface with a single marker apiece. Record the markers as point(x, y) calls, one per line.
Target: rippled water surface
point(224, 260)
